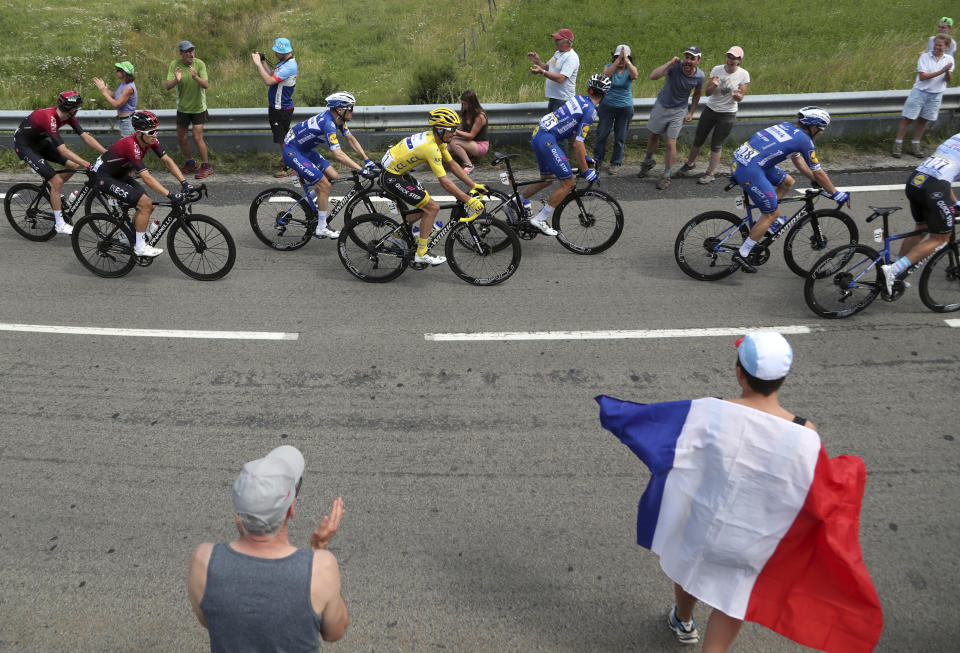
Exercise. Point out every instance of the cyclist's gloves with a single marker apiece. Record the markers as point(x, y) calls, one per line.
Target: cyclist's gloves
point(366, 172)
point(841, 197)
point(186, 187)
point(590, 174)
point(369, 164)
point(176, 199)
point(475, 204)
point(478, 190)
point(590, 162)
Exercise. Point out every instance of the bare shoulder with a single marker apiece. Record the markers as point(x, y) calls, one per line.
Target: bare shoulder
point(202, 553)
point(810, 426)
point(324, 564)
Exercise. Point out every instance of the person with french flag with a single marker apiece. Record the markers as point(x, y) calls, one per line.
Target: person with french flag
point(748, 513)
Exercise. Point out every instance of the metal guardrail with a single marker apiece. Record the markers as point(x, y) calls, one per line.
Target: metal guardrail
point(399, 117)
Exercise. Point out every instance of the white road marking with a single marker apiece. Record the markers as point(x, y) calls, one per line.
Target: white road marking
point(150, 333)
point(610, 335)
point(953, 323)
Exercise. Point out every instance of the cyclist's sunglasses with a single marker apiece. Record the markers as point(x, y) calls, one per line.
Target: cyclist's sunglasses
point(151, 132)
point(446, 129)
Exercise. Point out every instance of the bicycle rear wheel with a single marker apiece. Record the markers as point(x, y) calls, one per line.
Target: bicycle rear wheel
point(201, 247)
point(104, 245)
point(812, 236)
point(843, 282)
point(705, 245)
point(374, 248)
point(483, 252)
point(29, 212)
point(281, 220)
point(940, 281)
point(589, 221)
point(372, 200)
point(98, 202)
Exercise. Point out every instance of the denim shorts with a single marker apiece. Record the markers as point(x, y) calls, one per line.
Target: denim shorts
point(923, 104)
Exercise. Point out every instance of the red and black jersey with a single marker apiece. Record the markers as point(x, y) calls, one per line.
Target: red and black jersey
point(126, 156)
point(46, 123)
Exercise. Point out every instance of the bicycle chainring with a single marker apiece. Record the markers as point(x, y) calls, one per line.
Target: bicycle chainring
point(759, 255)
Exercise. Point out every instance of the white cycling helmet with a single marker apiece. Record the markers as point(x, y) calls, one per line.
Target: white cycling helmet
point(341, 99)
point(814, 117)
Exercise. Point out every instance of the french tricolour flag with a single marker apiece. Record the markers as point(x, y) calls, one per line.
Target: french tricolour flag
point(748, 514)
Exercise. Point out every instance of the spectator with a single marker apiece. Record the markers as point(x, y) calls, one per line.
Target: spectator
point(726, 88)
point(280, 84)
point(934, 72)
point(260, 593)
point(560, 73)
point(191, 106)
point(616, 109)
point(471, 138)
point(944, 27)
point(124, 99)
point(670, 110)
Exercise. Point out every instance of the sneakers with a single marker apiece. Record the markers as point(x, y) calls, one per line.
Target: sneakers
point(663, 183)
point(205, 171)
point(613, 168)
point(326, 232)
point(897, 150)
point(544, 227)
point(686, 170)
point(706, 179)
point(429, 259)
point(915, 150)
point(742, 262)
point(284, 172)
point(686, 631)
point(147, 250)
point(646, 167)
point(189, 166)
point(889, 276)
point(63, 228)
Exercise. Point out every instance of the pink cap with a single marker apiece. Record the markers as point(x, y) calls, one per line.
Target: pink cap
point(736, 51)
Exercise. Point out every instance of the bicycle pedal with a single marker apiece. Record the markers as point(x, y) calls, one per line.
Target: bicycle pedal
point(419, 266)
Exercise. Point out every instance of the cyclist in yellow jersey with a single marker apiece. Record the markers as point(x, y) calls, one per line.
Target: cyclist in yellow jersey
point(427, 147)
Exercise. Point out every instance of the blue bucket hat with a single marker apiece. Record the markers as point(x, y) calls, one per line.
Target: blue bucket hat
point(282, 46)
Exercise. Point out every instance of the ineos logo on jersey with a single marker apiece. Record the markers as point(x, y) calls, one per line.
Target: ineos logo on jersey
point(116, 190)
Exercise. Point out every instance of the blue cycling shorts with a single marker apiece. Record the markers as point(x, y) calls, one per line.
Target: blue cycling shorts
point(550, 158)
point(760, 184)
point(309, 165)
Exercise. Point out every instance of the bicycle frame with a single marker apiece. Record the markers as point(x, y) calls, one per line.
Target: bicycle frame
point(456, 217)
point(517, 185)
point(769, 239)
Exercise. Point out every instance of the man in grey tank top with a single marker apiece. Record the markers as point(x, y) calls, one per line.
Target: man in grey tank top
point(259, 592)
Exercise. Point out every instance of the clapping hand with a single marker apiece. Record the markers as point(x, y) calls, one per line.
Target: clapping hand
point(328, 526)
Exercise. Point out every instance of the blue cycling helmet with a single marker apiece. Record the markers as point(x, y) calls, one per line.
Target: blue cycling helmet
point(813, 117)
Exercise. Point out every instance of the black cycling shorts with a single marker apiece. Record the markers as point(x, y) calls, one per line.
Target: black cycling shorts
point(930, 202)
point(37, 155)
point(125, 189)
point(405, 189)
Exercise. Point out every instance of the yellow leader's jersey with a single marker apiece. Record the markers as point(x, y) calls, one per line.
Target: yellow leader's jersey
point(415, 150)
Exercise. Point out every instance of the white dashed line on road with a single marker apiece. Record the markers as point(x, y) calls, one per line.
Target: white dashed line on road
point(150, 333)
point(613, 335)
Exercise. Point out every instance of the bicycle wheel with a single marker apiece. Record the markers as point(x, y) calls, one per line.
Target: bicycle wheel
point(483, 252)
point(374, 248)
point(98, 202)
point(812, 236)
point(500, 206)
point(104, 244)
point(705, 245)
point(940, 281)
point(29, 212)
point(593, 221)
point(201, 247)
point(372, 200)
point(281, 220)
point(843, 282)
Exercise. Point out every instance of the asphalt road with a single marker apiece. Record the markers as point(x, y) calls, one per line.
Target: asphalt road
point(486, 508)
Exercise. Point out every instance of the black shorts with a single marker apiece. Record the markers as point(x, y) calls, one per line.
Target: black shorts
point(404, 188)
point(930, 202)
point(37, 155)
point(721, 124)
point(185, 119)
point(279, 122)
point(126, 189)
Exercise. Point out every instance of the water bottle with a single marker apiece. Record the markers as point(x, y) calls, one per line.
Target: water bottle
point(416, 230)
point(504, 178)
point(152, 228)
point(313, 195)
point(777, 225)
point(438, 225)
point(392, 206)
point(72, 198)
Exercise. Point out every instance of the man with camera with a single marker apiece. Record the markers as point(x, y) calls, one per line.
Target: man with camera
point(280, 84)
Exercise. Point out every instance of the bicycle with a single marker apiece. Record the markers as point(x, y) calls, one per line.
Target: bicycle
point(592, 223)
point(285, 219)
point(481, 249)
point(28, 209)
point(199, 246)
point(706, 243)
point(847, 279)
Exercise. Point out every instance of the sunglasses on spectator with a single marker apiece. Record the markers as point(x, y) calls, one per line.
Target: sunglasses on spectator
point(152, 132)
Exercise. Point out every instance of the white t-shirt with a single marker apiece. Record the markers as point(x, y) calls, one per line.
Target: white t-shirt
point(949, 50)
point(566, 63)
point(927, 64)
point(721, 99)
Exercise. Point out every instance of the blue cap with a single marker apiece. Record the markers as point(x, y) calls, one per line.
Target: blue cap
point(282, 46)
point(765, 355)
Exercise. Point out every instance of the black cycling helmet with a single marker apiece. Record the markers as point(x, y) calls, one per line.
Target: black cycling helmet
point(144, 121)
point(69, 101)
point(598, 84)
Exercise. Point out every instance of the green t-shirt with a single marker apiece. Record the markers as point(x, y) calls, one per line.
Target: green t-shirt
point(191, 97)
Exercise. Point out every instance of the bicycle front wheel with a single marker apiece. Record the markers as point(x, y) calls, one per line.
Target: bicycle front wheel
point(483, 252)
point(98, 202)
point(29, 212)
point(281, 219)
point(374, 248)
point(706, 244)
point(104, 245)
point(201, 247)
point(589, 221)
point(812, 236)
point(843, 282)
point(500, 206)
point(940, 281)
point(372, 200)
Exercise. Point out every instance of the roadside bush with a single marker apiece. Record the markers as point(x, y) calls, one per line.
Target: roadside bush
point(434, 84)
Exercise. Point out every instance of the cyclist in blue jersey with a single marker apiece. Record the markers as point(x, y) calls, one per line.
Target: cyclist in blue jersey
point(755, 169)
point(314, 170)
point(573, 117)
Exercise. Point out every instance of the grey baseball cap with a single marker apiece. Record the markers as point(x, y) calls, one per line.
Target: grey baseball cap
point(266, 487)
point(186, 45)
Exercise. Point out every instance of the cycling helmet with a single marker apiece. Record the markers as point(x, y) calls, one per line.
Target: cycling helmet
point(814, 117)
point(341, 100)
point(598, 84)
point(69, 101)
point(444, 118)
point(144, 121)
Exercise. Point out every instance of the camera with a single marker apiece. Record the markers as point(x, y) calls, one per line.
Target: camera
point(263, 56)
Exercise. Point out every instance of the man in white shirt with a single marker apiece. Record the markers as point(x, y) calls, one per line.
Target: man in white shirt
point(934, 72)
point(560, 73)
